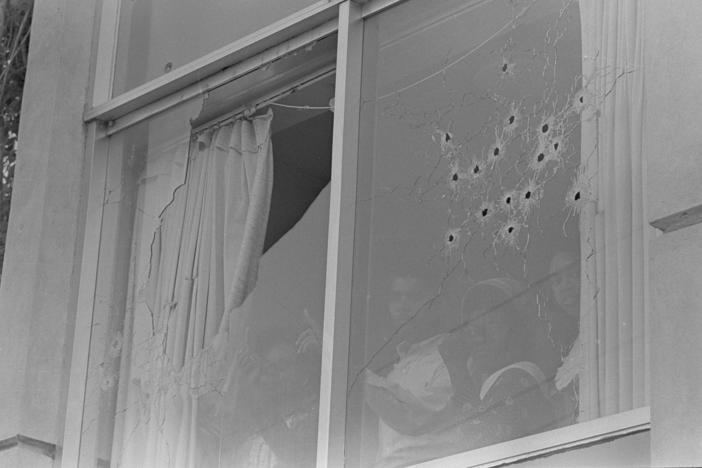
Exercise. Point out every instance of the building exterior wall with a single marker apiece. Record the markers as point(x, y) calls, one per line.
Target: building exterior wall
point(673, 152)
point(38, 293)
point(42, 265)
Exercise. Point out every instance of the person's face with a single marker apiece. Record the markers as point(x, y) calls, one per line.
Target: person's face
point(488, 330)
point(405, 299)
point(565, 283)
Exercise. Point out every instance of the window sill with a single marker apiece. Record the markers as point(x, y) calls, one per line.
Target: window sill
point(548, 443)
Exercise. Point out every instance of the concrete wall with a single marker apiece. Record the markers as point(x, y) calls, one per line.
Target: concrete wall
point(40, 274)
point(673, 152)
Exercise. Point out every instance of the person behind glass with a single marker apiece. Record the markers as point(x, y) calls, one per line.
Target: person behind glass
point(448, 392)
point(565, 286)
point(497, 394)
point(554, 329)
point(417, 385)
point(286, 395)
point(274, 410)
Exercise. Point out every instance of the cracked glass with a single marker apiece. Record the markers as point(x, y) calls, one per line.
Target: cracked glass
point(475, 313)
point(206, 333)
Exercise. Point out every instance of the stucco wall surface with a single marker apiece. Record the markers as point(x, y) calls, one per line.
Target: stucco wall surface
point(673, 153)
point(23, 457)
point(673, 106)
point(676, 347)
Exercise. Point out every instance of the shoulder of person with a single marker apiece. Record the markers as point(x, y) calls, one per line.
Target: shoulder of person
point(512, 379)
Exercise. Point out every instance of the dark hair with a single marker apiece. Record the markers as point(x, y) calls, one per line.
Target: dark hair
point(489, 297)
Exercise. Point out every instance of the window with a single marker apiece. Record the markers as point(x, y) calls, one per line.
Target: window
point(156, 37)
point(475, 316)
point(468, 300)
point(446, 193)
point(206, 336)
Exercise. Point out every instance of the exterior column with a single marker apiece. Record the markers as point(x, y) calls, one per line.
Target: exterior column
point(42, 262)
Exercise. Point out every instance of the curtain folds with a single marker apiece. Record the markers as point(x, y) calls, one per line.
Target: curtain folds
point(204, 263)
point(614, 250)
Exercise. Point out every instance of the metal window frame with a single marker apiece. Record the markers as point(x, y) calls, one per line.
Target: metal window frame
point(559, 440)
point(108, 115)
point(212, 70)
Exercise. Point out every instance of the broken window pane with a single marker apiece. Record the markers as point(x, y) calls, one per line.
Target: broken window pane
point(474, 236)
point(206, 333)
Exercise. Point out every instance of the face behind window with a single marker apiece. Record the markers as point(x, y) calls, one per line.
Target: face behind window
point(565, 283)
point(405, 299)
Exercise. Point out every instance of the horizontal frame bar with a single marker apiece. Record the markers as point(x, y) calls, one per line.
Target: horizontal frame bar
point(269, 98)
point(197, 89)
point(214, 62)
point(378, 6)
point(226, 64)
point(550, 442)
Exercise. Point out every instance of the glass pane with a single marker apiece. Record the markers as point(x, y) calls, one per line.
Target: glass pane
point(157, 36)
point(469, 291)
point(206, 337)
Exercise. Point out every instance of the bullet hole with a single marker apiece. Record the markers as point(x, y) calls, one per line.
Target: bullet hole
point(544, 128)
point(540, 157)
point(496, 151)
point(527, 195)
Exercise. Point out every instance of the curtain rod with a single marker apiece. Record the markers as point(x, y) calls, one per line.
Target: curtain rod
point(267, 99)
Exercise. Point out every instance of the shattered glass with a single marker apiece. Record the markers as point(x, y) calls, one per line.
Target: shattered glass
point(469, 290)
point(182, 373)
point(481, 289)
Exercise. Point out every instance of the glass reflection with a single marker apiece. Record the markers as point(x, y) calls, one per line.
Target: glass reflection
point(206, 339)
point(158, 36)
point(468, 235)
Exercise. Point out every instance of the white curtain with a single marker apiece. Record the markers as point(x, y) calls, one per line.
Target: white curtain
point(614, 322)
point(204, 262)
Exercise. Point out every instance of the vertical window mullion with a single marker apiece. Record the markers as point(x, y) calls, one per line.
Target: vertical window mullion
point(337, 303)
point(96, 149)
point(106, 52)
point(97, 155)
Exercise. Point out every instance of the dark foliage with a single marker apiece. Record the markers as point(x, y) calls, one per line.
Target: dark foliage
point(15, 20)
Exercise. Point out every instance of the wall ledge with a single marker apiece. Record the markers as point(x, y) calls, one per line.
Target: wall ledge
point(45, 448)
point(679, 220)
